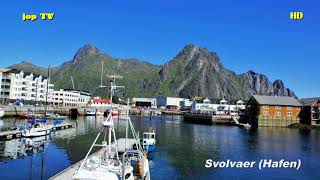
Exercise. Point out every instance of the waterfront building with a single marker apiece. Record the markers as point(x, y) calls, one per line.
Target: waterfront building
point(70, 97)
point(310, 113)
point(173, 102)
point(98, 102)
point(144, 102)
point(17, 85)
point(218, 106)
point(272, 110)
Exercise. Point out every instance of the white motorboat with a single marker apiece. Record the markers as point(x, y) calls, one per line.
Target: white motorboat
point(90, 113)
point(37, 130)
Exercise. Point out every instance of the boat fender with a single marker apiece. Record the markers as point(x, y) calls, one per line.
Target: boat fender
point(140, 167)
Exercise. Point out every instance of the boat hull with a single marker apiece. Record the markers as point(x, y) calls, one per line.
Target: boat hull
point(150, 148)
point(36, 133)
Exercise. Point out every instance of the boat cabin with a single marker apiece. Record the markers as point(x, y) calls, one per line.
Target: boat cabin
point(149, 138)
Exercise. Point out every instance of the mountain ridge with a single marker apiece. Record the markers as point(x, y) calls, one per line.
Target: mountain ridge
point(194, 71)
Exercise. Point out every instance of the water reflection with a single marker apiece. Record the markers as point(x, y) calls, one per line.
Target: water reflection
point(182, 149)
point(17, 148)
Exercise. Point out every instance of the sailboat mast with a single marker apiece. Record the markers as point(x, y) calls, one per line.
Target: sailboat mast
point(48, 79)
point(35, 107)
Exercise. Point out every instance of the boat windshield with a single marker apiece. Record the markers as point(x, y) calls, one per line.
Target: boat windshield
point(148, 136)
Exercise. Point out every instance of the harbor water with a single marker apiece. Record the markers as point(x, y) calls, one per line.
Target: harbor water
point(181, 151)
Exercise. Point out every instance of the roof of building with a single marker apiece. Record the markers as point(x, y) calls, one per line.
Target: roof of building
point(240, 101)
point(223, 101)
point(309, 101)
point(277, 100)
point(18, 71)
point(206, 100)
point(101, 101)
point(81, 91)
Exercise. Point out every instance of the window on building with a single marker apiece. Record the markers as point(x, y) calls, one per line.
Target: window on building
point(265, 113)
point(289, 114)
point(265, 107)
point(289, 108)
point(277, 107)
point(277, 114)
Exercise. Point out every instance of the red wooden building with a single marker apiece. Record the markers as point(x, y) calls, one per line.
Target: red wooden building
point(310, 113)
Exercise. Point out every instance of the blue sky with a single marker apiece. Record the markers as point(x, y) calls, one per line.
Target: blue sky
point(247, 34)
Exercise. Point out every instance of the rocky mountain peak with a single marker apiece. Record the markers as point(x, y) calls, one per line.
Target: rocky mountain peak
point(85, 51)
point(194, 71)
point(196, 53)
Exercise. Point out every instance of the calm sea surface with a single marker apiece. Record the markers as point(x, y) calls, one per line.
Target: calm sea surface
point(182, 150)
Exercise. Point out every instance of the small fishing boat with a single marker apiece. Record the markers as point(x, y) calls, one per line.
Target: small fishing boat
point(149, 141)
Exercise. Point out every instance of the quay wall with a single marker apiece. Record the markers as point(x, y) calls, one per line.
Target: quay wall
point(11, 111)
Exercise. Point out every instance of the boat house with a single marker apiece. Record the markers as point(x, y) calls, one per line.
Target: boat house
point(272, 110)
point(310, 113)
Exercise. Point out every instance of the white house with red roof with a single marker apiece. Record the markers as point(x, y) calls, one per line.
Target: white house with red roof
point(97, 102)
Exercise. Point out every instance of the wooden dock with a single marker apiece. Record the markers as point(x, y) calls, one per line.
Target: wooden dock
point(207, 118)
point(7, 135)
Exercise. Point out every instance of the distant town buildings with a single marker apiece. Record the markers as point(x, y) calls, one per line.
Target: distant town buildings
point(70, 97)
point(144, 102)
point(173, 102)
point(19, 86)
point(273, 110)
point(98, 102)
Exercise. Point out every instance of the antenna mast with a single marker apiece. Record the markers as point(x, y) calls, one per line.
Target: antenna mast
point(102, 63)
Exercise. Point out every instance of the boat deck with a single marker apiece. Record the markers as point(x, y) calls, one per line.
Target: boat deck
point(68, 173)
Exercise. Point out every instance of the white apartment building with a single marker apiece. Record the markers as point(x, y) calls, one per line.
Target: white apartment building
point(4, 84)
point(18, 85)
point(70, 97)
point(222, 107)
